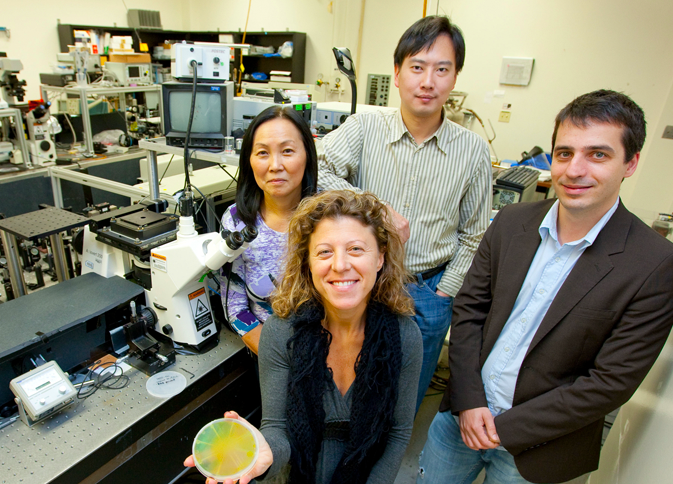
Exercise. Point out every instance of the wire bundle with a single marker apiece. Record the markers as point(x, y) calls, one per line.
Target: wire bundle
point(103, 379)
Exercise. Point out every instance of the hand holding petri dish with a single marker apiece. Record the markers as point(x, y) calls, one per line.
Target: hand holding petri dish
point(225, 448)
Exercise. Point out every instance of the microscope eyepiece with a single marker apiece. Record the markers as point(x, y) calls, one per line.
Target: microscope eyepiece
point(234, 240)
point(249, 233)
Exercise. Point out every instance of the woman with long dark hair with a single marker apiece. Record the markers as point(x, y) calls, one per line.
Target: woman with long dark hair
point(278, 167)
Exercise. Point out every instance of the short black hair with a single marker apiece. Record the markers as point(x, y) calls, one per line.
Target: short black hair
point(248, 194)
point(423, 34)
point(605, 106)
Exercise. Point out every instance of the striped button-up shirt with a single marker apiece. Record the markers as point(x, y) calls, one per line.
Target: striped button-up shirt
point(442, 186)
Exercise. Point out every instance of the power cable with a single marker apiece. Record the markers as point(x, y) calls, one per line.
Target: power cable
point(194, 65)
point(103, 379)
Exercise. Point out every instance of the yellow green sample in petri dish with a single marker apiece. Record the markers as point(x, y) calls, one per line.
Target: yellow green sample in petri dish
point(225, 448)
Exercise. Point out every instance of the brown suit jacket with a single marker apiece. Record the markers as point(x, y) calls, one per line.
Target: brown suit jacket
point(598, 340)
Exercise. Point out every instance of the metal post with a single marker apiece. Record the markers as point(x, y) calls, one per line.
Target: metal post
point(44, 93)
point(121, 96)
point(21, 139)
point(161, 109)
point(56, 189)
point(59, 257)
point(153, 171)
point(86, 120)
point(14, 264)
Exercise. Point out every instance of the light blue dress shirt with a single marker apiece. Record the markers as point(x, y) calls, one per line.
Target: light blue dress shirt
point(547, 273)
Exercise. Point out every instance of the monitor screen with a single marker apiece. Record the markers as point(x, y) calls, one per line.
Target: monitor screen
point(134, 72)
point(207, 111)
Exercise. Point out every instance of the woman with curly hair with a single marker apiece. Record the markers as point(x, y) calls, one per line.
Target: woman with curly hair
point(340, 359)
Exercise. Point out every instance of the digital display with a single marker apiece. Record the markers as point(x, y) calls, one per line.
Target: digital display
point(42, 380)
point(134, 72)
point(207, 111)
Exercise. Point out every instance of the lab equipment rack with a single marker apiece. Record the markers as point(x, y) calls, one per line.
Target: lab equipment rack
point(48, 222)
point(84, 92)
point(15, 114)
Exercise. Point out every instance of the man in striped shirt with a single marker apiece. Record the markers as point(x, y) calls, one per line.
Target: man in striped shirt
point(434, 174)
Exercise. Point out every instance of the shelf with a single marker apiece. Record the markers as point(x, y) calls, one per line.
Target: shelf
point(152, 37)
point(159, 145)
point(266, 56)
point(260, 63)
point(89, 89)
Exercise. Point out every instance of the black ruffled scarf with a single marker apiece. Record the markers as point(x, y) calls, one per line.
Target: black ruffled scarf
point(374, 394)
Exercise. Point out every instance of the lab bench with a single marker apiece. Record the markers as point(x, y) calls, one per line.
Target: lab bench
point(127, 435)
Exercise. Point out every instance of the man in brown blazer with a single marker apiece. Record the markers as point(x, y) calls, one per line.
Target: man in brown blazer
point(563, 312)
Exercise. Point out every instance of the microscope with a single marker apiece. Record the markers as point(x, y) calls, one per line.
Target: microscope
point(12, 89)
point(179, 292)
point(170, 259)
point(41, 128)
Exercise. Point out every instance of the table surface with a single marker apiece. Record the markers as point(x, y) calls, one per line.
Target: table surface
point(42, 223)
point(41, 453)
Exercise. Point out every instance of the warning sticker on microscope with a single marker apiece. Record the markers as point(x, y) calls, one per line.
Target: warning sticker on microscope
point(198, 300)
point(159, 262)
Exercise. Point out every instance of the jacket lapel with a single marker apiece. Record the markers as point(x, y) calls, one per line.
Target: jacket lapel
point(512, 272)
point(592, 266)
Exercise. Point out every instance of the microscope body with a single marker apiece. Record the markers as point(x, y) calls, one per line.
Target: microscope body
point(179, 291)
point(40, 139)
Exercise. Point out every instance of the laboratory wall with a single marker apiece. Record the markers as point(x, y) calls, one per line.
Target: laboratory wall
point(578, 46)
point(34, 37)
point(650, 191)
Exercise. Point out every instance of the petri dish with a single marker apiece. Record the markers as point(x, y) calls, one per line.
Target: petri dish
point(166, 384)
point(225, 448)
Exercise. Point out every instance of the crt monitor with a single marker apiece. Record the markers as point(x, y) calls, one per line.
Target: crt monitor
point(213, 111)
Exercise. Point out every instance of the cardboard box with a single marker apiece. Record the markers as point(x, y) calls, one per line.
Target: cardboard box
point(131, 58)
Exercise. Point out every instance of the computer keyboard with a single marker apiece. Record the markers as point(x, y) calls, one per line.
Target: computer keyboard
point(518, 177)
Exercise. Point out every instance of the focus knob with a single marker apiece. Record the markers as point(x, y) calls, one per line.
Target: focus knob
point(167, 329)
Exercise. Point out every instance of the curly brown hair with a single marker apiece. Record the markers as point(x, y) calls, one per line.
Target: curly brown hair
point(297, 286)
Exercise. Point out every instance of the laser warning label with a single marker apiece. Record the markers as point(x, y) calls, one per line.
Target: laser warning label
point(198, 300)
point(159, 262)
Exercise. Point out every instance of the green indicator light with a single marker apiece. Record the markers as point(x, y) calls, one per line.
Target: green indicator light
point(298, 107)
point(307, 106)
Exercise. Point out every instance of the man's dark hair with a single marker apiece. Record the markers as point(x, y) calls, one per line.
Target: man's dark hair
point(423, 34)
point(248, 194)
point(605, 106)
